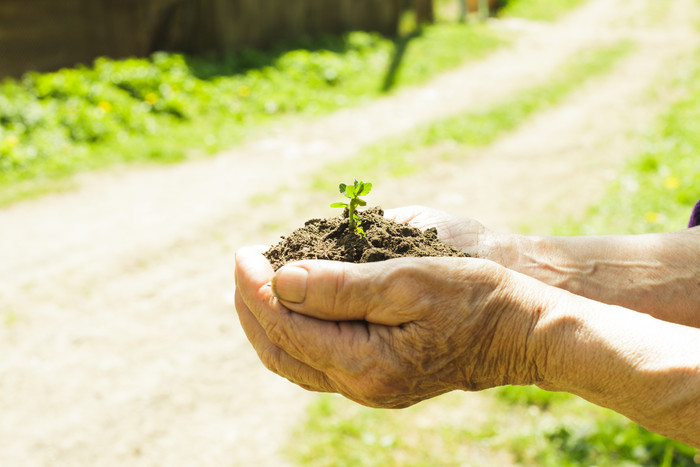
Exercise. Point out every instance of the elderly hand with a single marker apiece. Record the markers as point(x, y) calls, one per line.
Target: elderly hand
point(393, 333)
point(465, 234)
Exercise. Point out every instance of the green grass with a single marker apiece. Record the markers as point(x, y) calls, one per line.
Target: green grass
point(522, 425)
point(573, 433)
point(454, 137)
point(657, 190)
point(539, 10)
point(339, 433)
point(171, 107)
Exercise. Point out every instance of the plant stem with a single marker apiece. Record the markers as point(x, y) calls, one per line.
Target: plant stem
point(351, 215)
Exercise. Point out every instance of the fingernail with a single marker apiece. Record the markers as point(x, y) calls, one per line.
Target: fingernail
point(289, 284)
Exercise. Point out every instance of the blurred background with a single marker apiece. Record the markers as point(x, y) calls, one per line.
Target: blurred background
point(141, 143)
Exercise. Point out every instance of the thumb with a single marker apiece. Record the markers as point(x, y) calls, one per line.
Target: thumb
point(335, 291)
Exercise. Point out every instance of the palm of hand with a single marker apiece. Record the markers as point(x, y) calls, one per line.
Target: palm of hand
point(461, 233)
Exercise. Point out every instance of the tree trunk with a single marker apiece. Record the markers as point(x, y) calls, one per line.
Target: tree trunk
point(424, 11)
point(473, 5)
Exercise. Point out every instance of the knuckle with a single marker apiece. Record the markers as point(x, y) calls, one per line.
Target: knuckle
point(275, 332)
point(278, 330)
point(270, 358)
point(341, 289)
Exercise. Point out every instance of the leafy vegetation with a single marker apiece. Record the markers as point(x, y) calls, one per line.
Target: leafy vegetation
point(575, 433)
point(353, 192)
point(604, 440)
point(170, 106)
point(540, 10)
point(339, 433)
point(502, 426)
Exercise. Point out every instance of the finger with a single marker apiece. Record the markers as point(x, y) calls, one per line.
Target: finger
point(276, 359)
point(253, 249)
point(322, 345)
point(253, 275)
point(421, 217)
point(337, 291)
point(251, 264)
point(405, 214)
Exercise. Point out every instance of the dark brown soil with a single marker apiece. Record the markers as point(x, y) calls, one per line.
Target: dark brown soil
point(332, 239)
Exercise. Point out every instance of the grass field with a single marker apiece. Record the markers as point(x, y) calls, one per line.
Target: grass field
point(405, 155)
point(170, 107)
point(656, 191)
point(539, 10)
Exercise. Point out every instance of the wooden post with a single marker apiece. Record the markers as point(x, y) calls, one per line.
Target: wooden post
point(483, 9)
point(462, 10)
point(424, 11)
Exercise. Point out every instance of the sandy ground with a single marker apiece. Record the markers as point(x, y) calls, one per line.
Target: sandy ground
point(119, 342)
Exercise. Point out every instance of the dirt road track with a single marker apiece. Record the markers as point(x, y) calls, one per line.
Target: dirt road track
point(118, 340)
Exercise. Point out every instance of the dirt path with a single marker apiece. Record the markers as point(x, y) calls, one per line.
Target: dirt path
point(119, 342)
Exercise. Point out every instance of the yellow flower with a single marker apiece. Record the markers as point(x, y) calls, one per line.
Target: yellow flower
point(11, 141)
point(151, 98)
point(651, 217)
point(672, 183)
point(105, 106)
point(243, 91)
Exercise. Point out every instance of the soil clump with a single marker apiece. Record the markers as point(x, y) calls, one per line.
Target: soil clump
point(332, 239)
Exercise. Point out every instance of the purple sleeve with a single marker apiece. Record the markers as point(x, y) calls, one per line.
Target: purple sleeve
point(695, 217)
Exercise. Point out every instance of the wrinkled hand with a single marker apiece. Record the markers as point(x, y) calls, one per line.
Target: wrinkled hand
point(392, 333)
point(464, 234)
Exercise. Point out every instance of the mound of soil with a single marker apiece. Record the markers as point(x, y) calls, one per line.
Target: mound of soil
point(332, 239)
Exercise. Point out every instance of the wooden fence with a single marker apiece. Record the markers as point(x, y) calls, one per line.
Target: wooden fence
point(48, 34)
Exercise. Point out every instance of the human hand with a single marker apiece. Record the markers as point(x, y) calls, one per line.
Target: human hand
point(392, 333)
point(462, 233)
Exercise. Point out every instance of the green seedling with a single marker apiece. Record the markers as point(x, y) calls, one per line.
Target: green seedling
point(353, 192)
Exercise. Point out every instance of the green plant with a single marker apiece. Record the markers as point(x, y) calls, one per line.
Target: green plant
point(353, 192)
point(170, 107)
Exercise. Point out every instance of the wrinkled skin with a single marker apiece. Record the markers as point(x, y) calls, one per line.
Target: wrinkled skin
point(462, 233)
point(393, 333)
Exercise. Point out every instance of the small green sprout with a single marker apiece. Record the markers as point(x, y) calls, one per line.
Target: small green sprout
point(354, 192)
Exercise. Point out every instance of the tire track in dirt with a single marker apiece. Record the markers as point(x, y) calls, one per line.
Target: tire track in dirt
point(561, 161)
point(120, 346)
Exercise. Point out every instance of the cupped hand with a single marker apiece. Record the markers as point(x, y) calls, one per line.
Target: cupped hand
point(462, 233)
point(392, 333)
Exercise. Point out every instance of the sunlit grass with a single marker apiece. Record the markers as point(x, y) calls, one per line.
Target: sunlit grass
point(439, 433)
point(540, 10)
point(503, 426)
point(564, 430)
point(455, 137)
point(170, 107)
point(657, 190)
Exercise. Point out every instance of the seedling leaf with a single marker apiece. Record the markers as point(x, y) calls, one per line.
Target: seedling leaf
point(353, 192)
